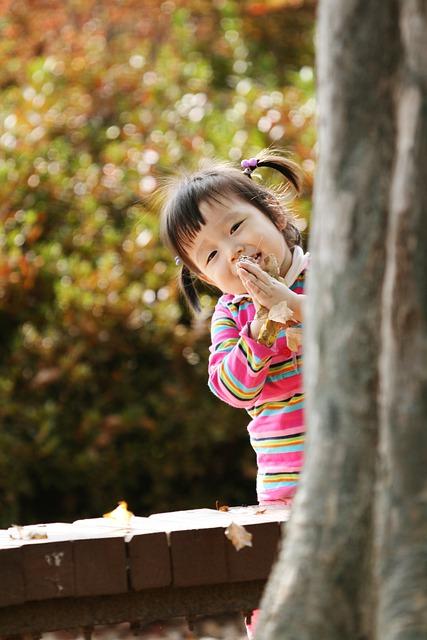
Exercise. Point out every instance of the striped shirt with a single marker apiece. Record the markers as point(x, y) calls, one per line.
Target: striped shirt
point(267, 382)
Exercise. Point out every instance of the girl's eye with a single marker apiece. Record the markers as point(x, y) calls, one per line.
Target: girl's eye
point(235, 226)
point(211, 256)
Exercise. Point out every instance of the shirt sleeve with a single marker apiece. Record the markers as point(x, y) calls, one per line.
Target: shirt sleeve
point(238, 364)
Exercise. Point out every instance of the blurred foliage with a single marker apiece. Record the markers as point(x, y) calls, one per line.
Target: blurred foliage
point(103, 389)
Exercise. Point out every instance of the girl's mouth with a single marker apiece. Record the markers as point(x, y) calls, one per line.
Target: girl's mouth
point(255, 258)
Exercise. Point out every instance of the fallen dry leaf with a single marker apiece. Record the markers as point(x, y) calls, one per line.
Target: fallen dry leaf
point(269, 332)
point(36, 532)
point(238, 536)
point(262, 313)
point(271, 266)
point(294, 338)
point(120, 514)
point(280, 312)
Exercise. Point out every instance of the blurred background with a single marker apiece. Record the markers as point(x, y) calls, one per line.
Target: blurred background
point(103, 371)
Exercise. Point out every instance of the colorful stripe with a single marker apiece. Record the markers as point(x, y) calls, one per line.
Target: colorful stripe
point(236, 387)
point(280, 406)
point(243, 305)
point(270, 478)
point(226, 345)
point(285, 370)
point(255, 363)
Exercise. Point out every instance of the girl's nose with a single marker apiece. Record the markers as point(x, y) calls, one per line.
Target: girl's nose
point(238, 251)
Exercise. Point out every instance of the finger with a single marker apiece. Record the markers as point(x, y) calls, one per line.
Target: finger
point(245, 277)
point(252, 267)
point(259, 285)
point(250, 290)
point(249, 286)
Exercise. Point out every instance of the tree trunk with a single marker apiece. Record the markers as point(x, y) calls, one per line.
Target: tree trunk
point(354, 564)
point(402, 488)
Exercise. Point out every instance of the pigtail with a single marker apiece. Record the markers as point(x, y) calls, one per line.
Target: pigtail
point(287, 168)
point(188, 289)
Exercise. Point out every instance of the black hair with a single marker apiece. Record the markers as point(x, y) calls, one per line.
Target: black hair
point(181, 219)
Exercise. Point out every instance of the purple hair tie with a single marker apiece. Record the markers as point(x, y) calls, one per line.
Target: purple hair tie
point(249, 165)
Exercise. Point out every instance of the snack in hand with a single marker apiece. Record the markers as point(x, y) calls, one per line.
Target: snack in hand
point(279, 315)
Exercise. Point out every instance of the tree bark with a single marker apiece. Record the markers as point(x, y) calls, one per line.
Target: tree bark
point(323, 584)
point(402, 489)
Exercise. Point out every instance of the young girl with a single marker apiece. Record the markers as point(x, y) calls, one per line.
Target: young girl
point(210, 220)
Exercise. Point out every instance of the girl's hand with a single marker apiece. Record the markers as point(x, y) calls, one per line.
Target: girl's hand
point(266, 290)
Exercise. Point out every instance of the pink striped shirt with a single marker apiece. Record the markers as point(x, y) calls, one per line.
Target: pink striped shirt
point(267, 382)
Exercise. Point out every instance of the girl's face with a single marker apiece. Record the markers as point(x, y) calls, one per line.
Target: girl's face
point(234, 227)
